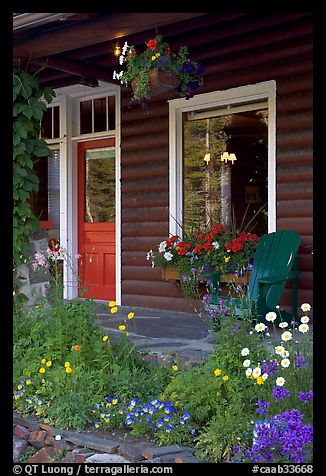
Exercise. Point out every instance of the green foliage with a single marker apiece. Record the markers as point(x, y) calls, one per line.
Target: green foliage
point(62, 365)
point(28, 110)
point(221, 434)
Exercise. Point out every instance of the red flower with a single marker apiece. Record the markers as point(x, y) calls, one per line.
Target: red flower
point(199, 235)
point(217, 228)
point(208, 246)
point(169, 243)
point(183, 248)
point(54, 244)
point(152, 45)
point(209, 236)
point(198, 248)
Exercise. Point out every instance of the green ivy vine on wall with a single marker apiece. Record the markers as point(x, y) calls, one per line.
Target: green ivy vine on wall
point(28, 110)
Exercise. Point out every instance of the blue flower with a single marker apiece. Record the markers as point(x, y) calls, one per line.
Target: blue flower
point(168, 428)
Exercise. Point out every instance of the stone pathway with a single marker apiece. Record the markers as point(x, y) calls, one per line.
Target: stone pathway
point(51, 445)
point(162, 333)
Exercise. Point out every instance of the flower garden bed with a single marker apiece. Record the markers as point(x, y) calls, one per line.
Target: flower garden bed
point(255, 387)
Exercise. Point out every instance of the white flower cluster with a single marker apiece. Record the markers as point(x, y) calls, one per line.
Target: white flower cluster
point(122, 59)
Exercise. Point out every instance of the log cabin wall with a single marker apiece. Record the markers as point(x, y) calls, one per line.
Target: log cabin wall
point(246, 49)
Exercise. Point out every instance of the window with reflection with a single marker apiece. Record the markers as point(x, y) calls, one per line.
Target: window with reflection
point(228, 191)
point(99, 205)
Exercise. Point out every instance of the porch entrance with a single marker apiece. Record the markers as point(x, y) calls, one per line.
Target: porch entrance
point(96, 219)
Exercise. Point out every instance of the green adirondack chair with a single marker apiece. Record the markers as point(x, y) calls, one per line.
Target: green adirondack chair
point(275, 263)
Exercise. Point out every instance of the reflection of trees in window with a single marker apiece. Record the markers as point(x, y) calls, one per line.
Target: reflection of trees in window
point(99, 190)
point(245, 183)
point(202, 180)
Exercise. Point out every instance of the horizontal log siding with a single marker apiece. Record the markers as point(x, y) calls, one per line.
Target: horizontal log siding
point(241, 51)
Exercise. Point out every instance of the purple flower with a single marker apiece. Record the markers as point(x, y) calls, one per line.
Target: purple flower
point(234, 330)
point(300, 362)
point(283, 438)
point(185, 278)
point(269, 367)
point(189, 68)
point(305, 397)
point(193, 271)
point(280, 392)
point(262, 407)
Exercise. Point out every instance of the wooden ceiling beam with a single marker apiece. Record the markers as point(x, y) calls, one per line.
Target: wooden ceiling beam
point(95, 31)
point(75, 67)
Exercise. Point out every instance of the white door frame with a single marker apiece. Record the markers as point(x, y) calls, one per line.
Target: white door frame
point(231, 97)
point(68, 98)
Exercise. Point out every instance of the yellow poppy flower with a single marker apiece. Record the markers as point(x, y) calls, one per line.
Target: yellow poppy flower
point(260, 380)
point(49, 363)
point(114, 309)
point(42, 370)
point(112, 303)
point(105, 338)
point(122, 328)
point(68, 370)
point(14, 293)
point(174, 367)
point(43, 361)
point(131, 315)
point(67, 364)
point(217, 372)
point(226, 258)
point(225, 378)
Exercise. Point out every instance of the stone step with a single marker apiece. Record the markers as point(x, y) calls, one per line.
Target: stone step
point(92, 442)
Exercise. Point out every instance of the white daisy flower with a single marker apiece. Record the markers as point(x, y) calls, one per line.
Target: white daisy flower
point(168, 256)
point(271, 316)
point(286, 336)
point(305, 307)
point(162, 246)
point(121, 59)
point(149, 255)
point(282, 325)
point(125, 48)
point(245, 351)
point(246, 363)
point(285, 363)
point(303, 328)
point(260, 327)
point(279, 350)
point(215, 245)
point(256, 372)
point(264, 376)
point(304, 319)
point(286, 353)
point(248, 372)
point(280, 381)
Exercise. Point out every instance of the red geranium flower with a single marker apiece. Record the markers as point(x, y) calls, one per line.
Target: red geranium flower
point(198, 248)
point(54, 244)
point(152, 45)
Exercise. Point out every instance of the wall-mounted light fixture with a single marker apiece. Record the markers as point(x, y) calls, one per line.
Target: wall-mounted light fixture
point(225, 157)
point(117, 49)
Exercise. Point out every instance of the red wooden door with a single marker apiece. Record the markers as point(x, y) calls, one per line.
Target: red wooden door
point(96, 219)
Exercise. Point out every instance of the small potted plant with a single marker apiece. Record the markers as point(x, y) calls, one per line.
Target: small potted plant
point(158, 69)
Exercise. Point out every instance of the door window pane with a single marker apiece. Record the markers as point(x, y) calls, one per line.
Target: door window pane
point(99, 205)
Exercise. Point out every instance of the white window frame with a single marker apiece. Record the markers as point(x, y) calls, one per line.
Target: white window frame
point(251, 94)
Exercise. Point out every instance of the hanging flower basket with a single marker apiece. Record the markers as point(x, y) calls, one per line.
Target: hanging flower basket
point(158, 69)
point(159, 82)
